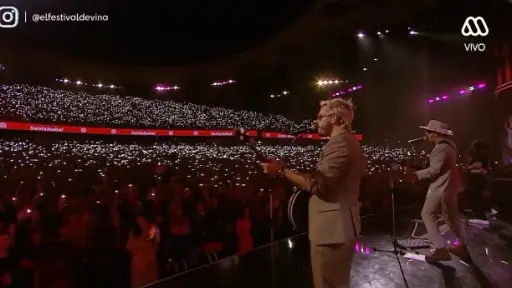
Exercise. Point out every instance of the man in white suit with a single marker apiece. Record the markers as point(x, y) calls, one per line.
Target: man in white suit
point(445, 185)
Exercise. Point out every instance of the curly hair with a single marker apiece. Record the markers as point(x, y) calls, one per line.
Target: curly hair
point(343, 109)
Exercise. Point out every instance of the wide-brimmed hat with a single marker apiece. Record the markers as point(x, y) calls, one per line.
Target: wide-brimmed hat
point(438, 127)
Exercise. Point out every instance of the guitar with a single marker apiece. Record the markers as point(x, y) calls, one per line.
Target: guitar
point(298, 204)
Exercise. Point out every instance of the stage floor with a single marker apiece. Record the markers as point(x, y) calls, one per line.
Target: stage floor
point(492, 265)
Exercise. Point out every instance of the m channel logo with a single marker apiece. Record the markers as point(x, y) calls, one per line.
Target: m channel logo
point(9, 17)
point(475, 27)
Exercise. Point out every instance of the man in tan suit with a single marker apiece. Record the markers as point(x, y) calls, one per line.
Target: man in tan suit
point(445, 184)
point(334, 222)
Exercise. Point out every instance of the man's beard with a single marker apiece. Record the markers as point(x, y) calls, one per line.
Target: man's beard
point(322, 133)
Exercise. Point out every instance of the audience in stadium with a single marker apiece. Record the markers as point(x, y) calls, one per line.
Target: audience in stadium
point(80, 210)
point(124, 213)
point(46, 105)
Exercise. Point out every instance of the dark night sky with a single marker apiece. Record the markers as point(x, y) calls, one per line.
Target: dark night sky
point(266, 45)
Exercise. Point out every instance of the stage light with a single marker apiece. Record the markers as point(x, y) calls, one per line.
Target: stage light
point(365, 69)
point(290, 243)
point(162, 88)
point(379, 33)
point(412, 32)
point(361, 248)
point(360, 34)
point(101, 86)
point(387, 31)
point(222, 83)
point(67, 81)
point(375, 59)
point(436, 99)
point(279, 95)
point(351, 89)
point(461, 92)
point(328, 82)
point(2, 67)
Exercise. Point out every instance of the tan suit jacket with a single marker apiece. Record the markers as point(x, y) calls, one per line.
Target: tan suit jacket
point(333, 208)
point(443, 173)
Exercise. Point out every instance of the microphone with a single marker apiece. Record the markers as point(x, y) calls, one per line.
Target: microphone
point(302, 130)
point(417, 140)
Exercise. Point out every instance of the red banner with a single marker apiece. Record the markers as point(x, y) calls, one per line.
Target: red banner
point(23, 126)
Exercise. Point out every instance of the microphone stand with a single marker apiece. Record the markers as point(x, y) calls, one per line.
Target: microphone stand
point(398, 249)
point(268, 187)
point(272, 223)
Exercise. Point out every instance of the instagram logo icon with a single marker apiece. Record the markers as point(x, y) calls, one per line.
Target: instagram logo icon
point(9, 17)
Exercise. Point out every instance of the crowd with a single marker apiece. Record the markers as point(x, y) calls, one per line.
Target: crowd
point(76, 213)
point(46, 105)
point(118, 213)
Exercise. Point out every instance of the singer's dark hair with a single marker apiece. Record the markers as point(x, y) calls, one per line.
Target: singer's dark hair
point(479, 146)
point(479, 149)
